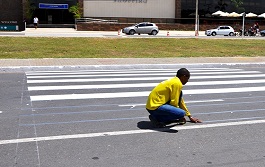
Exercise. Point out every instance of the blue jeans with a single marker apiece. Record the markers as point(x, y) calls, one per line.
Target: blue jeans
point(167, 113)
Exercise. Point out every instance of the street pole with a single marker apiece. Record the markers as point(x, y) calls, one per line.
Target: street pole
point(243, 27)
point(197, 20)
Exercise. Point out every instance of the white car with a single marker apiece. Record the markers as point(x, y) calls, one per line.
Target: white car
point(221, 30)
point(141, 28)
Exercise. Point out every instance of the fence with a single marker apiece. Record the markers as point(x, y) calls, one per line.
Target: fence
point(186, 24)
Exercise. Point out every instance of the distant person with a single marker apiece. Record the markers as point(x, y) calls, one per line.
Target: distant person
point(257, 27)
point(35, 22)
point(165, 103)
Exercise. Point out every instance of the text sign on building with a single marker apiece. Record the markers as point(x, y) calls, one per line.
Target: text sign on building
point(52, 6)
point(9, 27)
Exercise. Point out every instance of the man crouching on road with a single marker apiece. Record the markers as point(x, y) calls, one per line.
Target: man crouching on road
point(165, 103)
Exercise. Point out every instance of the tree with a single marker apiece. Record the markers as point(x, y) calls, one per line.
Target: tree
point(76, 10)
point(221, 5)
point(238, 4)
point(29, 9)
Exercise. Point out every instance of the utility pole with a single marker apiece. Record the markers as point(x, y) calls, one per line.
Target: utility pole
point(243, 26)
point(197, 19)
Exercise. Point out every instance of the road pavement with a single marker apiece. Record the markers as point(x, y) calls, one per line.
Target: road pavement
point(97, 117)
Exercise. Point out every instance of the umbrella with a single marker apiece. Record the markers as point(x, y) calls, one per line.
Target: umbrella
point(218, 13)
point(262, 15)
point(233, 14)
point(251, 15)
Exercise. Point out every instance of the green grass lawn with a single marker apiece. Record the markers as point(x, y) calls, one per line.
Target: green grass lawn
point(27, 47)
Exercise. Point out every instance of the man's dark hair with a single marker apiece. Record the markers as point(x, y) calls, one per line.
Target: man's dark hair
point(183, 72)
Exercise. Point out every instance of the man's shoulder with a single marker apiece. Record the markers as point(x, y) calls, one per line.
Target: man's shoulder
point(173, 81)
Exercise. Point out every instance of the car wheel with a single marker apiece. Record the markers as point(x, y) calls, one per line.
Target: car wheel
point(231, 34)
point(262, 34)
point(131, 32)
point(213, 33)
point(154, 32)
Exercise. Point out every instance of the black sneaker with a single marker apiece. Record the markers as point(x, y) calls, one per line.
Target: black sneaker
point(155, 123)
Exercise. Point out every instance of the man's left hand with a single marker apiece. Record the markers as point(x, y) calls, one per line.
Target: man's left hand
point(195, 120)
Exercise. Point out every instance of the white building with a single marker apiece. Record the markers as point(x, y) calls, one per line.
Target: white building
point(130, 8)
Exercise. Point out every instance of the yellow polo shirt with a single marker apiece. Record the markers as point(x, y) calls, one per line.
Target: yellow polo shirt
point(168, 90)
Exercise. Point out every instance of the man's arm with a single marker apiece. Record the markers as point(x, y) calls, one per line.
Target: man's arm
point(184, 107)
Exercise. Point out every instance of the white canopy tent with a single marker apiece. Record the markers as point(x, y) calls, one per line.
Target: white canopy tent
point(224, 14)
point(262, 15)
point(234, 14)
point(218, 13)
point(251, 15)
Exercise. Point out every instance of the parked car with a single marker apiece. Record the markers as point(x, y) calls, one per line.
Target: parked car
point(221, 30)
point(141, 28)
point(262, 33)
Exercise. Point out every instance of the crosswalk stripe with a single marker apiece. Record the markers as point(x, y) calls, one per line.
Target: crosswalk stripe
point(125, 71)
point(145, 74)
point(69, 87)
point(129, 132)
point(141, 94)
point(141, 78)
point(104, 86)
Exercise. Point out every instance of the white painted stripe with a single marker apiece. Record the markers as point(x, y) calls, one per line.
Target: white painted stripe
point(96, 80)
point(136, 85)
point(98, 73)
point(202, 101)
point(129, 132)
point(68, 87)
point(225, 90)
point(86, 75)
point(102, 75)
point(231, 82)
point(1, 112)
point(140, 94)
point(88, 96)
point(30, 73)
point(141, 78)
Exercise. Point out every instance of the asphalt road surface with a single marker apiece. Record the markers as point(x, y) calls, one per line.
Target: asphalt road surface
point(97, 118)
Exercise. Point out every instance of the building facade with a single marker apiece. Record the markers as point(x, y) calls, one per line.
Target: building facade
point(165, 8)
point(207, 7)
point(53, 11)
point(11, 15)
point(125, 11)
point(131, 8)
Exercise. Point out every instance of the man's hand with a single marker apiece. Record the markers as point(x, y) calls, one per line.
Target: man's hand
point(195, 120)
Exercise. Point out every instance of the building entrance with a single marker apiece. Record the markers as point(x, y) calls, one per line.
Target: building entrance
point(54, 16)
point(53, 11)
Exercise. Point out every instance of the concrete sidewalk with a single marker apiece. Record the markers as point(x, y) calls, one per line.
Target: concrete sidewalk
point(127, 61)
point(71, 32)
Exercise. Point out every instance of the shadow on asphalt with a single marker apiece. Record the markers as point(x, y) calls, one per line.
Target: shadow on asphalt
point(148, 125)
